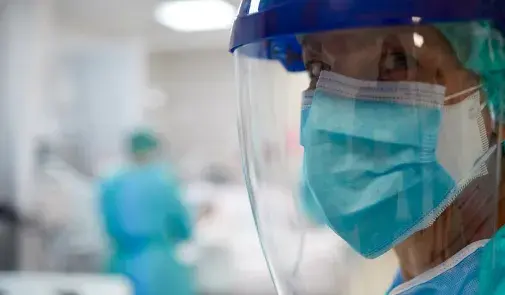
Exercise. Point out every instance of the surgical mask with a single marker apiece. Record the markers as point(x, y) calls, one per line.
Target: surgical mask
point(384, 159)
point(310, 205)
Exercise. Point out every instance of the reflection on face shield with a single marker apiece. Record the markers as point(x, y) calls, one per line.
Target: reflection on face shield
point(390, 106)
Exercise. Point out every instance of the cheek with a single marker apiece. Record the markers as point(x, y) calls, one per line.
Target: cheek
point(428, 75)
point(359, 64)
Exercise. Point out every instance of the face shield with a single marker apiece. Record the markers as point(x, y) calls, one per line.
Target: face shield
point(373, 149)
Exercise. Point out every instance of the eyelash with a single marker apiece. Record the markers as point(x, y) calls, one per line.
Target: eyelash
point(406, 59)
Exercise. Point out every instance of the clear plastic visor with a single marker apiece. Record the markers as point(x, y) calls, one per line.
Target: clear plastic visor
point(387, 147)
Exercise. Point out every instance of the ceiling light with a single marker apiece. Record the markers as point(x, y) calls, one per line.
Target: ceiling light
point(195, 15)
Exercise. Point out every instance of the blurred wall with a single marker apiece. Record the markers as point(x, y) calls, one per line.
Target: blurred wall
point(5, 177)
point(198, 116)
point(107, 77)
point(25, 55)
point(25, 39)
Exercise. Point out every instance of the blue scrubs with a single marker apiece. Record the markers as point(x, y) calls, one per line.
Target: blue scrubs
point(145, 220)
point(397, 281)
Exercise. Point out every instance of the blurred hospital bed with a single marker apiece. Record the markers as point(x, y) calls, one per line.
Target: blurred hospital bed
point(70, 229)
point(61, 284)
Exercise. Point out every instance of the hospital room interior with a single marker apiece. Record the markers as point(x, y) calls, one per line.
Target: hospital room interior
point(80, 80)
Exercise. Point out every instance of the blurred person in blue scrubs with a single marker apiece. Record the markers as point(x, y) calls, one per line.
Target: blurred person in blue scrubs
point(145, 220)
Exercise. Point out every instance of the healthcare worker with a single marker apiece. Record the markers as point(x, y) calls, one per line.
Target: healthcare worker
point(401, 123)
point(145, 219)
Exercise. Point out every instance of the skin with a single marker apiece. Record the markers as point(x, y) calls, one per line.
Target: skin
point(396, 54)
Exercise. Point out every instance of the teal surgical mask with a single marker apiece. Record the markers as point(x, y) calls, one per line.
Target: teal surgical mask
point(379, 158)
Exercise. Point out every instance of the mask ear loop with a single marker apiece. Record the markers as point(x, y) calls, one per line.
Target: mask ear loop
point(468, 90)
point(483, 106)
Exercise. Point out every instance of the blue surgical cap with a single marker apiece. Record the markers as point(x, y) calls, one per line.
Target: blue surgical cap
point(481, 49)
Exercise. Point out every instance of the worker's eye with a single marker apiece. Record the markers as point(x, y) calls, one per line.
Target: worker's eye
point(394, 61)
point(396, 65)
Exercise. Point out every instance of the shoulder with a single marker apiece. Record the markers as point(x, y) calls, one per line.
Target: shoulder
point(109, 181)
point(397, 280)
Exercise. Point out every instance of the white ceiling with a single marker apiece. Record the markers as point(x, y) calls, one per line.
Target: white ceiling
point(124, 17)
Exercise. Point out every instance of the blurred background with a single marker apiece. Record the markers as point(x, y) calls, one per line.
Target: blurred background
point(77, 78)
